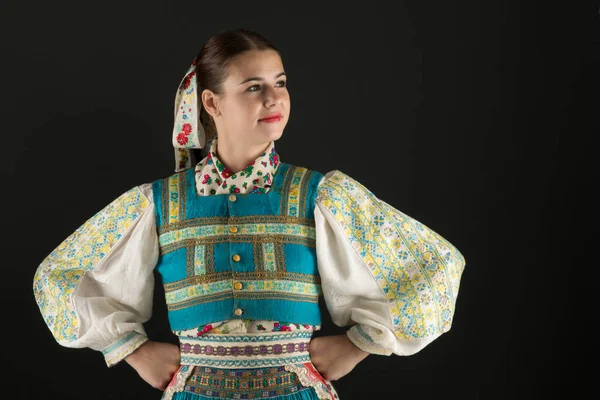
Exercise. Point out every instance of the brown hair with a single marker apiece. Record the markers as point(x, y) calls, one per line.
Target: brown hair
point(212, 62)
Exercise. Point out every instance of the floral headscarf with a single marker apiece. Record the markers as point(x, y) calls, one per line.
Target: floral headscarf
point(188, 132)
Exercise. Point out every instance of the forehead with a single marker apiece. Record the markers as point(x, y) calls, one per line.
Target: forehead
point(255, 63)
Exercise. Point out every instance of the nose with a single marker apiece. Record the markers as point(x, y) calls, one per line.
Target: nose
point(271, 97)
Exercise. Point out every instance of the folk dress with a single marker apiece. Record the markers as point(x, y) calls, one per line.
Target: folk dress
point(392, 280)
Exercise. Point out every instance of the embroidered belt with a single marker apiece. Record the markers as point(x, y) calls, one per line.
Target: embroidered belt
point(246, 350)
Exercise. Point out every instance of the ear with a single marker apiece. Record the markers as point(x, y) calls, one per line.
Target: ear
point(210, 102)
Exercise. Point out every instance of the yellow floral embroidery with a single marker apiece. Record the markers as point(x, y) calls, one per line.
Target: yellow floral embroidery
point(417, 270)
point(59, 274)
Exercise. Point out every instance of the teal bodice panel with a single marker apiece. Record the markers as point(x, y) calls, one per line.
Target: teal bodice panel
point(245, 256)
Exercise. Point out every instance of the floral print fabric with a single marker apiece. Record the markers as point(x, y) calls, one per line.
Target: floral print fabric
point(213, 177)
point(237, 326)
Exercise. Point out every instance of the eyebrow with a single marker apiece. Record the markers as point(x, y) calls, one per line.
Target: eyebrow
point(258, 78)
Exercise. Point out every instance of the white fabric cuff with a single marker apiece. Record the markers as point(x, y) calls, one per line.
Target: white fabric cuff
point(364, 342)
point(123, 347)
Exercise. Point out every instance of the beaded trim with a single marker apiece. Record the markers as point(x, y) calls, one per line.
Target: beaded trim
point(249, 350)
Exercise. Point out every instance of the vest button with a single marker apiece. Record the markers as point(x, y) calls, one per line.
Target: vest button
point(232, 197)
point(236, 257)
point(238, 311)
point(237, 286)
point(233, 229)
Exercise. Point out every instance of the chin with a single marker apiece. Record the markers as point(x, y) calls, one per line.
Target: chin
point(272, 134)
point(277, 135)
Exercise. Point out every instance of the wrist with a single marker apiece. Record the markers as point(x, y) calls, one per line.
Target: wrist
point(360, 336)
point(122, 347)
point(132, 358)
point(357, 352)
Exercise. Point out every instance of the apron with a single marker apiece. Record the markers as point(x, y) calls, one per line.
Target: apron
point(273, 365)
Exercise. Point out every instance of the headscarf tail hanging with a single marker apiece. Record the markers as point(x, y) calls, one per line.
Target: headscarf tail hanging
point(188, 132)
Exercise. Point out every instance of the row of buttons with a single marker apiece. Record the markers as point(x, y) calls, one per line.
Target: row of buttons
point(233, 229)
point(237, 285)
point(236, 258)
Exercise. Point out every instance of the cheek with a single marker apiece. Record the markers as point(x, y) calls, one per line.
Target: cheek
point(287, 102)
point(241, 110)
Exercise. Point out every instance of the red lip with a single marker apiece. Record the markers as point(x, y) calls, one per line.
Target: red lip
point(271, 117)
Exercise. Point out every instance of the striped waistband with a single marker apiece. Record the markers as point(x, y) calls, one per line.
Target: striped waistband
point(247, 350)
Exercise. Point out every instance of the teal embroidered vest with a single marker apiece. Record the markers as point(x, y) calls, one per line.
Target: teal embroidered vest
point(239, 256)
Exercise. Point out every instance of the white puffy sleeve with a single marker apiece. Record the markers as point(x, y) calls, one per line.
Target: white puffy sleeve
point(389, 276)
point(95, 289)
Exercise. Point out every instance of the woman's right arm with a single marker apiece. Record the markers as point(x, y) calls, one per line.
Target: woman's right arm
point(95, 289)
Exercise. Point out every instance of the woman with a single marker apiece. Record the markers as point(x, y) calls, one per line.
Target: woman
point(245, 244)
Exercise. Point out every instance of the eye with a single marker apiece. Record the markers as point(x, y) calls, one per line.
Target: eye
point(255, 88)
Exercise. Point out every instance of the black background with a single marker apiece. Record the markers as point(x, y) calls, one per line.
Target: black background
point(475, 118)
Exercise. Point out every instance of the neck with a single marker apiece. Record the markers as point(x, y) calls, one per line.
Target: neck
point(236, 156)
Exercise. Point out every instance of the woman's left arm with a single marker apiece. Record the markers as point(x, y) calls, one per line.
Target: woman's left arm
point(389, 276)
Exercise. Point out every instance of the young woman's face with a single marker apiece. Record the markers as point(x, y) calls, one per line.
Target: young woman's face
point(254, 89)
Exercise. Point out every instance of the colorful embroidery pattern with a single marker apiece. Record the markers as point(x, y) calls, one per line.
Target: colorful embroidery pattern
point(58, 275)
point(247, 350)
point(235, 220)
point(256, 383)
point(265, 352)
point(269, 257)
point(250, 362)
point(180, 298)
point(247, 229)
point(212, 277)
point(206, 292)
point(199, 265)
point(433, 248)
point(174, 199)
point(292, 205)
point(416, 270)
